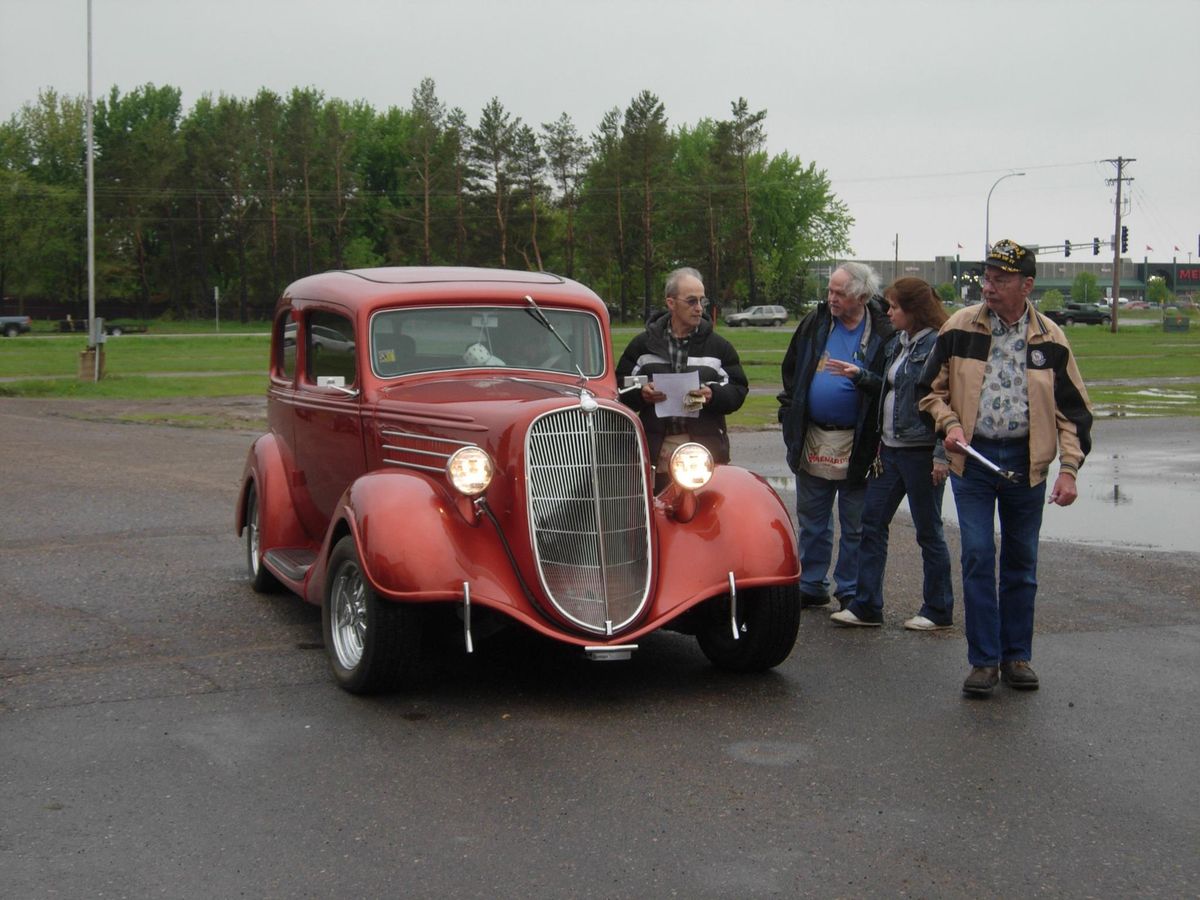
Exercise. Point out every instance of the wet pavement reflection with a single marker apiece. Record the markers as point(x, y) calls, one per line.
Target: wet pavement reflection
point(1129, 497)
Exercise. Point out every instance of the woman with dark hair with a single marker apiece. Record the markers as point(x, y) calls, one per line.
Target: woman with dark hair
point(911, 462)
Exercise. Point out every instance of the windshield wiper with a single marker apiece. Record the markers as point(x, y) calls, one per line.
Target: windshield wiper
point(536, 311)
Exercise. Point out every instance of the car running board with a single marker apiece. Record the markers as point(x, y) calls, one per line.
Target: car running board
point(292, 563)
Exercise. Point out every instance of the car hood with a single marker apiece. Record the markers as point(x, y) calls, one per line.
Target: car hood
point(484, 389)
point(487, 402)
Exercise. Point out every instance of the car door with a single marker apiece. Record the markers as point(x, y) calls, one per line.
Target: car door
point(328, 434)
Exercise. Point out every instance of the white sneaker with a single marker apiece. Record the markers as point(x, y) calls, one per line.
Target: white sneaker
point(845, 617)
point(920, 623)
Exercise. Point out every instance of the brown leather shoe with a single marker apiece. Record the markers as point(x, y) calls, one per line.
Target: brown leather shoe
point(1017, 674)
point(981, 681)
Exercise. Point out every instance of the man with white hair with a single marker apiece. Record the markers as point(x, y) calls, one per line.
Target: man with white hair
point(830, 435)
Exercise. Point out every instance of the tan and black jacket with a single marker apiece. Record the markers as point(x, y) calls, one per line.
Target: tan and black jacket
point(1060, 414)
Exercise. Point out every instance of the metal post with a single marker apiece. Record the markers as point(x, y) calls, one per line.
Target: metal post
point(91, 209)
point(1120, 164)
point(987, 220)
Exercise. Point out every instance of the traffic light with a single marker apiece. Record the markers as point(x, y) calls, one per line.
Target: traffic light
point(1067, 247)
point(1124, 238)
point(1095, 246)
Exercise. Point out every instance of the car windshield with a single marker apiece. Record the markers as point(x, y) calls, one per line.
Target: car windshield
point(431, 339)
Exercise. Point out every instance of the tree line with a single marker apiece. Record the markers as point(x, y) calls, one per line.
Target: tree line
point(244, 195)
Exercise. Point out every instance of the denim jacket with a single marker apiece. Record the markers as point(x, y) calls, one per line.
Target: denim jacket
point(907, 423)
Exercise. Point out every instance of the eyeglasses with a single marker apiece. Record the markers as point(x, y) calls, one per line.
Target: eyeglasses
point(693, 301)
point(999, 280)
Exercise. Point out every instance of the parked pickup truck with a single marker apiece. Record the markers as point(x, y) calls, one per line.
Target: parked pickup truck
point(116, 329)
point(1084, 313)
point(11, 326)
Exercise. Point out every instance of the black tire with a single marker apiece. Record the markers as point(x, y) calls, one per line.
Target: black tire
point(1068, 321)
point(260, 579)
point(780, 322)
point(769, 619)
point(116, 331)
point(11, 330)
point(1106, 320)
point(372, 644)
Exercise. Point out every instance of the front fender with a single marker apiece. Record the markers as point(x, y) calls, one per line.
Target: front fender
point(415, 544)
point(740, 525)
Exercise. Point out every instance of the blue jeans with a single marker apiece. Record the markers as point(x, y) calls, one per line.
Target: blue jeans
point(906, 471)
point(814, 513)
point(999, 616)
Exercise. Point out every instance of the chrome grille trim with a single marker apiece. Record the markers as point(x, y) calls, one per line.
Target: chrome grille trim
point(393, 433)
point(401, 454)
point(589, 515)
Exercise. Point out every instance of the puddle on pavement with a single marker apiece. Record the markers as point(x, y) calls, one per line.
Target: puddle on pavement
point(1114, 509)
point(1148, 402)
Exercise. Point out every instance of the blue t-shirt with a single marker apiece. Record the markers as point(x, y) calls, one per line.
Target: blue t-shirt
point(833, 399)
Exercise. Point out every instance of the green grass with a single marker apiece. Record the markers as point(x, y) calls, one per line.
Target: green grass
point(162, 326)
point(1141, 352)
point(135, 354)
point(198, 365)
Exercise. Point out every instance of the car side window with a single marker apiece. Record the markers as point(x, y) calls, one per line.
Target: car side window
point(330, 351)
point(285, 343)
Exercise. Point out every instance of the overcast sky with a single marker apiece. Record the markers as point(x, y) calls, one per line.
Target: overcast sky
point(913, 107)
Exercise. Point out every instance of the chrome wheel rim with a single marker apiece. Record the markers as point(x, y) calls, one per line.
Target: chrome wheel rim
point(252, 536)
point(348, 615)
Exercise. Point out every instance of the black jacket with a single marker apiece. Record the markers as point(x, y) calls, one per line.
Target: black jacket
point(709, 354)
point(799, 366)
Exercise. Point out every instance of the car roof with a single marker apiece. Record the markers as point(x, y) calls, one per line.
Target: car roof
point(365, 289)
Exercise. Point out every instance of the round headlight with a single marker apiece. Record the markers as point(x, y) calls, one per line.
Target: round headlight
point(691, 466)
point(470, 471)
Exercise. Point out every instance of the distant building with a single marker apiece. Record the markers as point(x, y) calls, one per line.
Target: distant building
point(1053, 273)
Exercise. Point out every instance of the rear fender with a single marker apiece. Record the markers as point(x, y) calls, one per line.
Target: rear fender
point(266, 472)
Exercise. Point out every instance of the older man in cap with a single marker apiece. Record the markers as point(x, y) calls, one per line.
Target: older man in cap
point(1002, 382)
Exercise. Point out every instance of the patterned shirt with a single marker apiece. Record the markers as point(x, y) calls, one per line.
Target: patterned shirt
point(1004, 401)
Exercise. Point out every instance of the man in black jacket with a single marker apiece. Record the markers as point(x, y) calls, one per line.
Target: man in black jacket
point(831, 436)
point(681, 339)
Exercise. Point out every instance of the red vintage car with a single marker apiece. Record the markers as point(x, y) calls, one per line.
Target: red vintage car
point(447, 447)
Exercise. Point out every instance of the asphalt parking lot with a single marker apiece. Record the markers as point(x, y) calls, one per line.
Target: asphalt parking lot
point(164, 731)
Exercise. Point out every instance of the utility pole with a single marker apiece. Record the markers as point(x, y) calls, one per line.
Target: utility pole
point(1120, 163)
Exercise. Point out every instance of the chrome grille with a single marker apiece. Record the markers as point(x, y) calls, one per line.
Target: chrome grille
point(589, 514)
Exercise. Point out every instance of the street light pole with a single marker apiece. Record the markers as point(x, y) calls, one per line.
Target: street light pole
point(93, 337)
point(987, 220)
